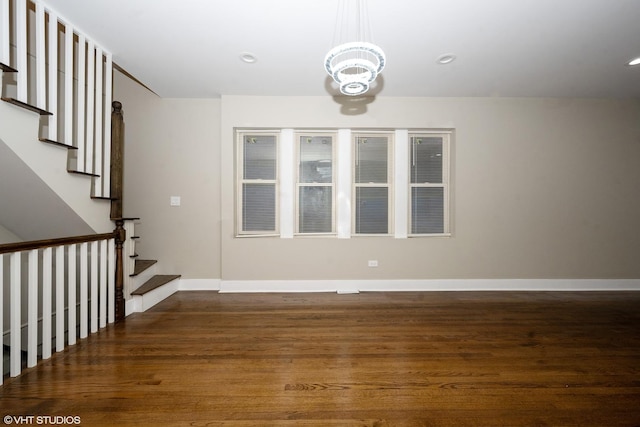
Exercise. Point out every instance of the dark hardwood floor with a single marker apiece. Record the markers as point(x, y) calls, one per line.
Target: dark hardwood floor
point(370, 359)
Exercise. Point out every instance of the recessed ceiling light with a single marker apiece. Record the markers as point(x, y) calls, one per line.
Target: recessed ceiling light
point(635, 61)
point(248, 57)
point(447, 58)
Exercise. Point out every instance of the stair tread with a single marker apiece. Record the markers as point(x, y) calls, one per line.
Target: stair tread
point(83, 173)
point(58, 143)
point(7, 68)
point(154, 283)
point(141, 265)
point(29, 107)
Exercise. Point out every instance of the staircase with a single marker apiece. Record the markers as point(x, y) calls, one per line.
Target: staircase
point(144, 288)
point(64, 101)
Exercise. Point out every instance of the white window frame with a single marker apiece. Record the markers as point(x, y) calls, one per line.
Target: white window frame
point(445, 184)
point(299, 184)
point(240, 181)
point(389, 185)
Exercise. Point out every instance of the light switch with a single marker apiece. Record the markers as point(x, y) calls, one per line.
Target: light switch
point(175, 201)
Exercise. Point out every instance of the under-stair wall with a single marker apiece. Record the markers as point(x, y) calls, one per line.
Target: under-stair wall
point(69, 201)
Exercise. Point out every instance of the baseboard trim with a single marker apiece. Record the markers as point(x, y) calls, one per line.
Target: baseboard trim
point(142, 303)
point(354, 286)
point(199, 285)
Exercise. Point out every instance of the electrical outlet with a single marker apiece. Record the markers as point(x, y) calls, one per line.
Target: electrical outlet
point(372, 263)
point(174, 201)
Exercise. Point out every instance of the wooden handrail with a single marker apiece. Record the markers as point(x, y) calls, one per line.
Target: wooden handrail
point(39, 244)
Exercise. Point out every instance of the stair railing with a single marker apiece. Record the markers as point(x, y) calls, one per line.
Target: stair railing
point(59, 290)
point(34, 37)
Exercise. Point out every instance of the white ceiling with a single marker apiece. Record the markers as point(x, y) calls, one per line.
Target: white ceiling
point(539, 48)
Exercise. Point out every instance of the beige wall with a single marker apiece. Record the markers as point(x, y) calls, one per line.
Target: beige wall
point(543, 188)
point(172, 149)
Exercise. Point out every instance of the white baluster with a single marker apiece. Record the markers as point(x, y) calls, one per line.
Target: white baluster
point(108, 85)
point(60, 285)
point(68, 84)
point(32, 310)
point(5, 33)
point(72, 301)
point(15, 279)
point(103, 283)
point(47, 280)
point(99, 146)
point(84, 291)
point(80, 118)
point(21, 50)
point(111, 277)
point(89, 117)
point(94, 287)
point(41, 82)
point(129, 262)
point(2, 311)
point(52, 105)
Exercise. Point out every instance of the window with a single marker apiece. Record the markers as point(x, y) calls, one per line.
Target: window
point(371, 184)
point(429, 186)
point(258, 172)
point(343, 183)
point(315, 184)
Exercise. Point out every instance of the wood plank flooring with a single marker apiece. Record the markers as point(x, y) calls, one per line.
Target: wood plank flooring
point(369, 359)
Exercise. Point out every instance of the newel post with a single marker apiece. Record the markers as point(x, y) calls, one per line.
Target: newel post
point(117, 160)
point(120, 236)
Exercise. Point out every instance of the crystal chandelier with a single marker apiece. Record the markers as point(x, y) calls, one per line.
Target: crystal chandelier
point(356, 62)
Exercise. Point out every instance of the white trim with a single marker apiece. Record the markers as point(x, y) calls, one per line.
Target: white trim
point(144, 302)
point(199, 285)
point(286, 165)
point(239, 286)
point(343, 184)
point(401, 184)
point(344, 286)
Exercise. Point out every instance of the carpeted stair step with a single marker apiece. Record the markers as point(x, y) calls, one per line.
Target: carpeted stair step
point(154, 283)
